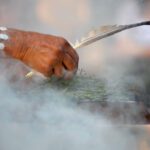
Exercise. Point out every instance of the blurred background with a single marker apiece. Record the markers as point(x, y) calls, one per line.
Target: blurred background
point(73, 19)
point(39, 120)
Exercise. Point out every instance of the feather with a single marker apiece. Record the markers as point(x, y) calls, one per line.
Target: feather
point(29, 74)
point(100, 33)
point(105, 31)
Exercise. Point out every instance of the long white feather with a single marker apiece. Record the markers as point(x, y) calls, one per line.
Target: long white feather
point(100, 33)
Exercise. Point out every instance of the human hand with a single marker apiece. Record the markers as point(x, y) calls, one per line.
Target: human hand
point(47, 54)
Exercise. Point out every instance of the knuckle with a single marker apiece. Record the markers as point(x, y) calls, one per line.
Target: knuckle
point(63, 43)
point(47, 71)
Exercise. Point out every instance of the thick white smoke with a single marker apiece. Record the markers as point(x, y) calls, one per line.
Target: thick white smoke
point(45, 119)
point(38, 118)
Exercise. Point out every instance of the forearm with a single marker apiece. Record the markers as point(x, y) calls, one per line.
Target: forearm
point(47, 54)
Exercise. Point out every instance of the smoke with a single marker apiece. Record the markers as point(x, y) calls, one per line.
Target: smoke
point(41, 118)
point(33, 116)
point(36, 117)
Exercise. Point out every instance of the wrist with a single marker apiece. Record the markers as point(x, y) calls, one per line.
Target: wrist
point(12, 42)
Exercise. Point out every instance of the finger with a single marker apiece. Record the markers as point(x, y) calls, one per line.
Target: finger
point(72, 53)
point(68, 74)
point(69, 63)
point(48, 73)
point(58, 71)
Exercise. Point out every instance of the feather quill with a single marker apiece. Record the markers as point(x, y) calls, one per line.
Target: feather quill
point(100, 33)
point(105, 31)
